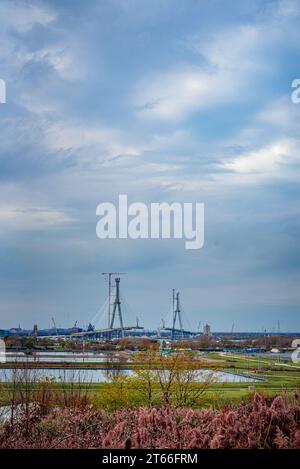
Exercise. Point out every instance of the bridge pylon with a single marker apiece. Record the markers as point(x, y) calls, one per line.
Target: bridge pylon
point(117, 306)
point(176, 314)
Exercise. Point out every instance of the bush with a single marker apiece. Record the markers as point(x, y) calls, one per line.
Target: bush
point(271, 423)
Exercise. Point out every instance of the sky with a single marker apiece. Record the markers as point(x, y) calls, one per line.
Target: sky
point(165, 101)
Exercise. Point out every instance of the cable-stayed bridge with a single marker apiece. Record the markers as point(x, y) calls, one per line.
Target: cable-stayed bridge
point(114, 314)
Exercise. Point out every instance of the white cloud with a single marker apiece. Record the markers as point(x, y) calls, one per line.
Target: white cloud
point(111, 146)
point(39, 104)
point(60, 59)
point(20, 17)
point(228, 68)
point(267, 160)
point(234, 50)
point(23, 16)
point(173, 95)
point(281, 114)
point(275, 161)
point(92, 143)
point(225, 69)
point(15, 53)
point(19, 217)
point(288, 8)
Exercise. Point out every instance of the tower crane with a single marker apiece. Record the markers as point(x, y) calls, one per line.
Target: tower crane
point(54, 325)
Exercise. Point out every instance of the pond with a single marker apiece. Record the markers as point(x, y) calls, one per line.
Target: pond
point(62, 357)
point(102, 376)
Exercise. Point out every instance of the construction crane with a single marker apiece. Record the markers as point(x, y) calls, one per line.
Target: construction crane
point(278, 327)
point(54, 325)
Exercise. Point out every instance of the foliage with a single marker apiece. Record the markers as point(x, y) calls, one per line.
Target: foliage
point(263, 423)
point(171, 380)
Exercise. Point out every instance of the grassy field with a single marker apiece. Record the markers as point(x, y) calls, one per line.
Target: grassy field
point(274, 378)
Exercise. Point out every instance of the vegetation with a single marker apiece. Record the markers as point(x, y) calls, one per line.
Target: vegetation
point(161, 403)
point(262, 423)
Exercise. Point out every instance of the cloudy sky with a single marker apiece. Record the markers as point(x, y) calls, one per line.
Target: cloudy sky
point(163, 100)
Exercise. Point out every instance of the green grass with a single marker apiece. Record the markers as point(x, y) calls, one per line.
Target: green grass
point(277, 380)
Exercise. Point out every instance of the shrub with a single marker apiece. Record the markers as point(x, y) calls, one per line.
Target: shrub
point(271, 423)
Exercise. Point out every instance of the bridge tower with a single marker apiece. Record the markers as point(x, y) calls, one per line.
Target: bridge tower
point(110, 275)
point(117, 306)
point(176, 314)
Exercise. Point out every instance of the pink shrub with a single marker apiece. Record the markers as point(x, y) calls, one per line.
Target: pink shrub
point(261, 424)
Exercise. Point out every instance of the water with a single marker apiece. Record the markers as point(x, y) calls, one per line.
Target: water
point(90, 375)
point(102, 357)
point(102, 376)
point(61, 357)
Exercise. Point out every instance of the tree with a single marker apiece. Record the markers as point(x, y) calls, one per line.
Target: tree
point(145, 374)
point(172, 380)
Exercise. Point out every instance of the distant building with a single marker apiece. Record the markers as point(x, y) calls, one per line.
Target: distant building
point(296, 343)
point(206, 330)
point(35, 331)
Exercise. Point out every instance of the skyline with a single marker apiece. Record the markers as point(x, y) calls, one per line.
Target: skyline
point(174, 102)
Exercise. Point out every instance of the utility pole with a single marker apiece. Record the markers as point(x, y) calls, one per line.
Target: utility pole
point(109, 275)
